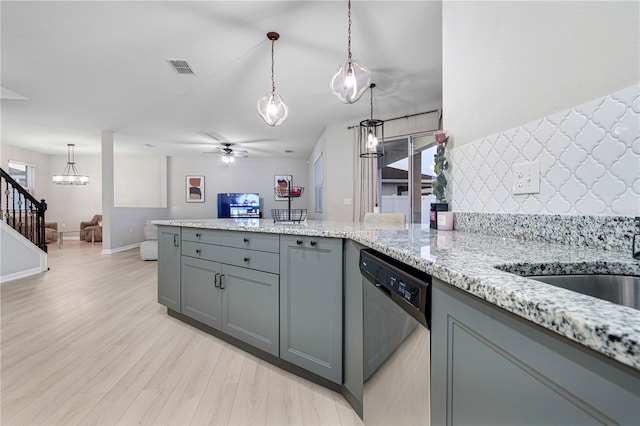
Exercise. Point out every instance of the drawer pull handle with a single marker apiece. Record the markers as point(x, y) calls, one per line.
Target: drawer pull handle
point(198, 235)
point(215, 280)
point(246, 259)
point(221, 281)
point(198, 251)
point(246, 240)
point(175, 240)
point(313, 243)
point(299, 242)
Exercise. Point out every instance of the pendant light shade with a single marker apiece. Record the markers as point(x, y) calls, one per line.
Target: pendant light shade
point(371, 135)
point(351, 79)
point(70, 175)
point(271, 106)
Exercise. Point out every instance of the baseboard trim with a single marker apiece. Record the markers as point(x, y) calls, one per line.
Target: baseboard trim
point(22, 274)
point(119, 249)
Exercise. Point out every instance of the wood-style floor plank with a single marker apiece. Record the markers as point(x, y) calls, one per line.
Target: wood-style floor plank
point(87, 343)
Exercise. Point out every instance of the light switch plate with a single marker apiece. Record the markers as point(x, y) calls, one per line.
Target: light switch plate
point(526, 178)
point(347, 201)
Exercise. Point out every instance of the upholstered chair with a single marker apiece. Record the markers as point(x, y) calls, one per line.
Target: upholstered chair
point(95, 225)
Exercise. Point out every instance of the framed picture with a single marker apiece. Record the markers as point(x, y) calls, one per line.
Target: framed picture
point(195, 189)
point(282, 185)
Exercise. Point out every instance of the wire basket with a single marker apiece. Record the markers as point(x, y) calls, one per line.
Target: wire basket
point(289, 215)
point(286, 192)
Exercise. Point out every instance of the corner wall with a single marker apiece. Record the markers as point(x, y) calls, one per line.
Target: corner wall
point(508, 63)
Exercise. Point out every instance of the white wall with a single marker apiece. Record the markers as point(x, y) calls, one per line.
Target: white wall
point(508, 63)
point(71, 204)
point(553, 82)
point(140, 181)
point(319, 149)
point(251, 174)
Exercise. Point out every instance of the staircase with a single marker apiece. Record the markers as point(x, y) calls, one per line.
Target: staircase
point(21, 211)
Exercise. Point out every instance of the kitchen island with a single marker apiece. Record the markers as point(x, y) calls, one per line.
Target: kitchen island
point(468, 263)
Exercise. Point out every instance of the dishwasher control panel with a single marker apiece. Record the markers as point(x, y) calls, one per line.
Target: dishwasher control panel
point(392, 276)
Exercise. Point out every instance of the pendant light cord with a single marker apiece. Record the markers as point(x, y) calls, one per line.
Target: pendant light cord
point(273, 80)
point(349, 32)
point(371, 88)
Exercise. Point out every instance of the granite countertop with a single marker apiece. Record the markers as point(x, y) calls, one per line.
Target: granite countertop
point(468, 261)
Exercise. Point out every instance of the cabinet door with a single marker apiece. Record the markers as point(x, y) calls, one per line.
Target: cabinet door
point(489, 367)
point(311, 304)
point(169, 266)
point(250, 307)
point(200, 296)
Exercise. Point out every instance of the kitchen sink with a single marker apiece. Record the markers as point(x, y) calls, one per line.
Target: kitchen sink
point(621, 289)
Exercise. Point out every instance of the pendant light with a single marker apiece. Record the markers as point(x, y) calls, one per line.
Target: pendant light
point(70, 175)
point(371, 134)
point(271, 106)
point(351, 79)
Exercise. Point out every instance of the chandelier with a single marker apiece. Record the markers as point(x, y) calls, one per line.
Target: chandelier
point(70, 175)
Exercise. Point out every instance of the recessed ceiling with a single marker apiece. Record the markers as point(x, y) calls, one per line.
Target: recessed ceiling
point(84, 67)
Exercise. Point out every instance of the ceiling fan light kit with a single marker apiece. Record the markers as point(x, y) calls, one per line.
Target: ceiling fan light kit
point(271, 106)
point(70, 175)
point(351, 79)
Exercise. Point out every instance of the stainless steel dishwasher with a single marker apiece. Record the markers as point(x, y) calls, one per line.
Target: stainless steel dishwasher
point(396, 302)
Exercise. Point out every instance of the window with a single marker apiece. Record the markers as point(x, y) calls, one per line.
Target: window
point(24, 174)
point(317, 184)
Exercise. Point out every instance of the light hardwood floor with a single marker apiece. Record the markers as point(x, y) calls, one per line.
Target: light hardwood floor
point(87, 343)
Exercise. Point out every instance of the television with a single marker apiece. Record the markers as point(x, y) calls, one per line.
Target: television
point(239, 205)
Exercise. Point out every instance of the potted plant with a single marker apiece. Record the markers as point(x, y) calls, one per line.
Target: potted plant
point(440, 164)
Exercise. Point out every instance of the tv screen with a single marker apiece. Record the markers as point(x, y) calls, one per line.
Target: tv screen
point(237, 205)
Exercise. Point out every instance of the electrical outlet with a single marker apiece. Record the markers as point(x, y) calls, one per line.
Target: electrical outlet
point(347, 201)
point(130, 229)
point(526, 178)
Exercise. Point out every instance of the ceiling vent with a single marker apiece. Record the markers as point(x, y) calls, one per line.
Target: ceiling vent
point(180, 66)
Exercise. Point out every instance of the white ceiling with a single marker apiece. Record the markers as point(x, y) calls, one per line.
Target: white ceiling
point(88, 66)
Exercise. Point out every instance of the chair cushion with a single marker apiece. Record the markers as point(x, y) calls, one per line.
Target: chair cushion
point(149, 250)
point(150, 231)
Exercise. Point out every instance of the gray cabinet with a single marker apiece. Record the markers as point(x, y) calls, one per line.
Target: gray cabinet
point(169, 266)
point(311, 304)
point(234, 290)
point(490, 367)
point(201, 293)
point(250, 307)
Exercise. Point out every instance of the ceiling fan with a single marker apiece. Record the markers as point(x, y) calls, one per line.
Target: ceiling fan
point(228, 154)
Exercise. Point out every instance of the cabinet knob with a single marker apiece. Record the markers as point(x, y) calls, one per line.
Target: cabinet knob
point(313, 243)
point(198, 235)
point(299, 242)
point(198, 251)
point(221, 281)
point(246, 240)
point(246, 259)
point(175, 240)
point(215, 280)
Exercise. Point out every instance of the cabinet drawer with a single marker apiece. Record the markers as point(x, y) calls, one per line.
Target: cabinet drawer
point(252, 240)
point(259, 260)
point(208, 236)
point(202, 251)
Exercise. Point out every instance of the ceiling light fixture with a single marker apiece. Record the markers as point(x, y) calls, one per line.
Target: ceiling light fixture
point(371, 134)
point(70, 175)
point(271, 106)
point(351, 79)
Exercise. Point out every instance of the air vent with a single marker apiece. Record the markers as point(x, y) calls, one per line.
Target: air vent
point(180, 66)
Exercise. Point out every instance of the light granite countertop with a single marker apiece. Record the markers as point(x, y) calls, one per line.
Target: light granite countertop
point(468, 261)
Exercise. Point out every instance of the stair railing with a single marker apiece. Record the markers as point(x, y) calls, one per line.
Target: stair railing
point(22, 211)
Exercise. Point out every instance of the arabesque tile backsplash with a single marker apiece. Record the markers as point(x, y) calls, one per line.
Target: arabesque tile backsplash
point(589, 162)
